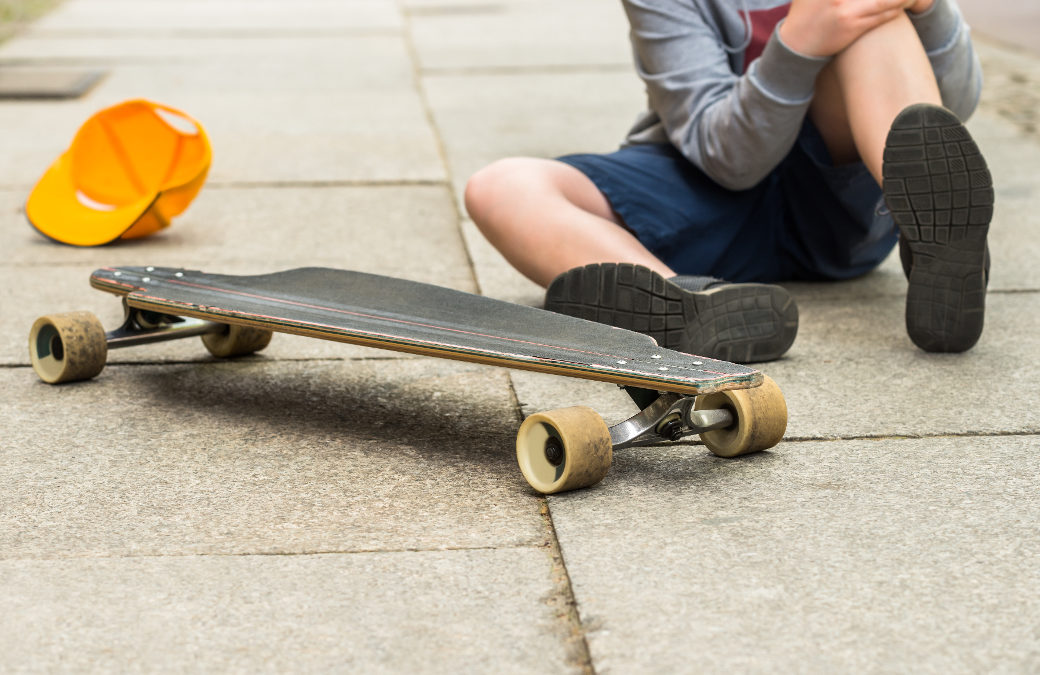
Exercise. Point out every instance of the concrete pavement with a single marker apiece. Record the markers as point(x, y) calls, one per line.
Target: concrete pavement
point(325, 507)
point(1008, 22)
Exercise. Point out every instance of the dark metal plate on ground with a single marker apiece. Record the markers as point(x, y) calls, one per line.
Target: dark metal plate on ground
point(24, 83)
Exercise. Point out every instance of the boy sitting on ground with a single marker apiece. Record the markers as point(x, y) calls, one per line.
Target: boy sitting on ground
point(783, 141)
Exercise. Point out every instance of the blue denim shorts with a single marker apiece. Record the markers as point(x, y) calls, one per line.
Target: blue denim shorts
point(807, 220)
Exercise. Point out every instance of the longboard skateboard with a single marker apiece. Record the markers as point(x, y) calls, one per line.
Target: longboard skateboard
point(735, 409)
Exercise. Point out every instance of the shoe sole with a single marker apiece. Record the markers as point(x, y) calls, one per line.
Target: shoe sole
point(744, 323)
point(940, 192)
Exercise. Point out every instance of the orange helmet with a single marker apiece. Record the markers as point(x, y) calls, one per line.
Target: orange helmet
point(129, 170)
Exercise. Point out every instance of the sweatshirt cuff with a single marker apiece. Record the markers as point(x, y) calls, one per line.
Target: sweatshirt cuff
point(937, 26)
point(785, 75)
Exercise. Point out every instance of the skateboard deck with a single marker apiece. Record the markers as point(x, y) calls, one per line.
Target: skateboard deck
point(413, 317)
point(237, 314)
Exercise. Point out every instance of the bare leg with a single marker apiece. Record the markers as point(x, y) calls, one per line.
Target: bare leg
point(860, 93)
point(546, 217)
point(937, 187)
point(552, 223)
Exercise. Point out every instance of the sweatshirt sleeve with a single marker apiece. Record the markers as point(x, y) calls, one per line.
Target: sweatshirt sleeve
point(735, 128)
point(947, 41)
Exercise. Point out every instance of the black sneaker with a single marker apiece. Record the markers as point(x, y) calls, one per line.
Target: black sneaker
point(906, 259)
point(940, 193)
point(697, 315)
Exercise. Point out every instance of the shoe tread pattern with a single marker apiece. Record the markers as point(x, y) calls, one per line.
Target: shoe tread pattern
point(735, 322)
point(940, 193)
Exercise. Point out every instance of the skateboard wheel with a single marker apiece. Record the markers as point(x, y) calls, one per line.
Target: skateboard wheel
point(67, 347)
point(761, 419)
point(236, 341)
point(564, 449)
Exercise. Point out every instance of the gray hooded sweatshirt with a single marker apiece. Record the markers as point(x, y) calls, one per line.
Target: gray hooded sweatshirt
point(731, 96)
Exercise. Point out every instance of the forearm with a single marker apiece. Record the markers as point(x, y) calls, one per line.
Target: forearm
point(736, 128)
point(744, 135)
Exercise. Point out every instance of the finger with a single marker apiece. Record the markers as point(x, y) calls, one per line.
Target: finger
point(877, 7)
point(872, 22)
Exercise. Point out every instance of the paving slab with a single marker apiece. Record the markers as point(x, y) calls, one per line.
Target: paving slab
point(1008, 90)
point(328, 52)
point(1014, 160)
point(370, 228)
point(441, 612)
point(1011, 22)
point(308, 136)
point(262, 456)
point(397, 533)
point(217, 16)
point(407, 231)
point(273, 63)
point(275, 109)
point(480, 36)
point(853, 372)
point(324, 137)
point(293, 67)
point(850, 556)
point(34, 133)
point(485, 118)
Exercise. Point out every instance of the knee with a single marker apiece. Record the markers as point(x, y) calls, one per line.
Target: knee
point(491, 188)
point(478, 192)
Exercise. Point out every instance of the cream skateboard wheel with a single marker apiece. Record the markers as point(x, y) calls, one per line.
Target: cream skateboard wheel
point(564, 449)
point(760, 419)
point(67, 347)
point(236, 341)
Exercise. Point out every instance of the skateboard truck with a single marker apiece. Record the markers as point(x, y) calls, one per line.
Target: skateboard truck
point(568, 448)
point(670, 417)
point(141, 326)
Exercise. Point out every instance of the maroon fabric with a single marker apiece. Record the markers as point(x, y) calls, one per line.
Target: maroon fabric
point(763, 23)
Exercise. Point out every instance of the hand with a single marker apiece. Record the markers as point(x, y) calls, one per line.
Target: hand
point(921, 6)
point(826, 27)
